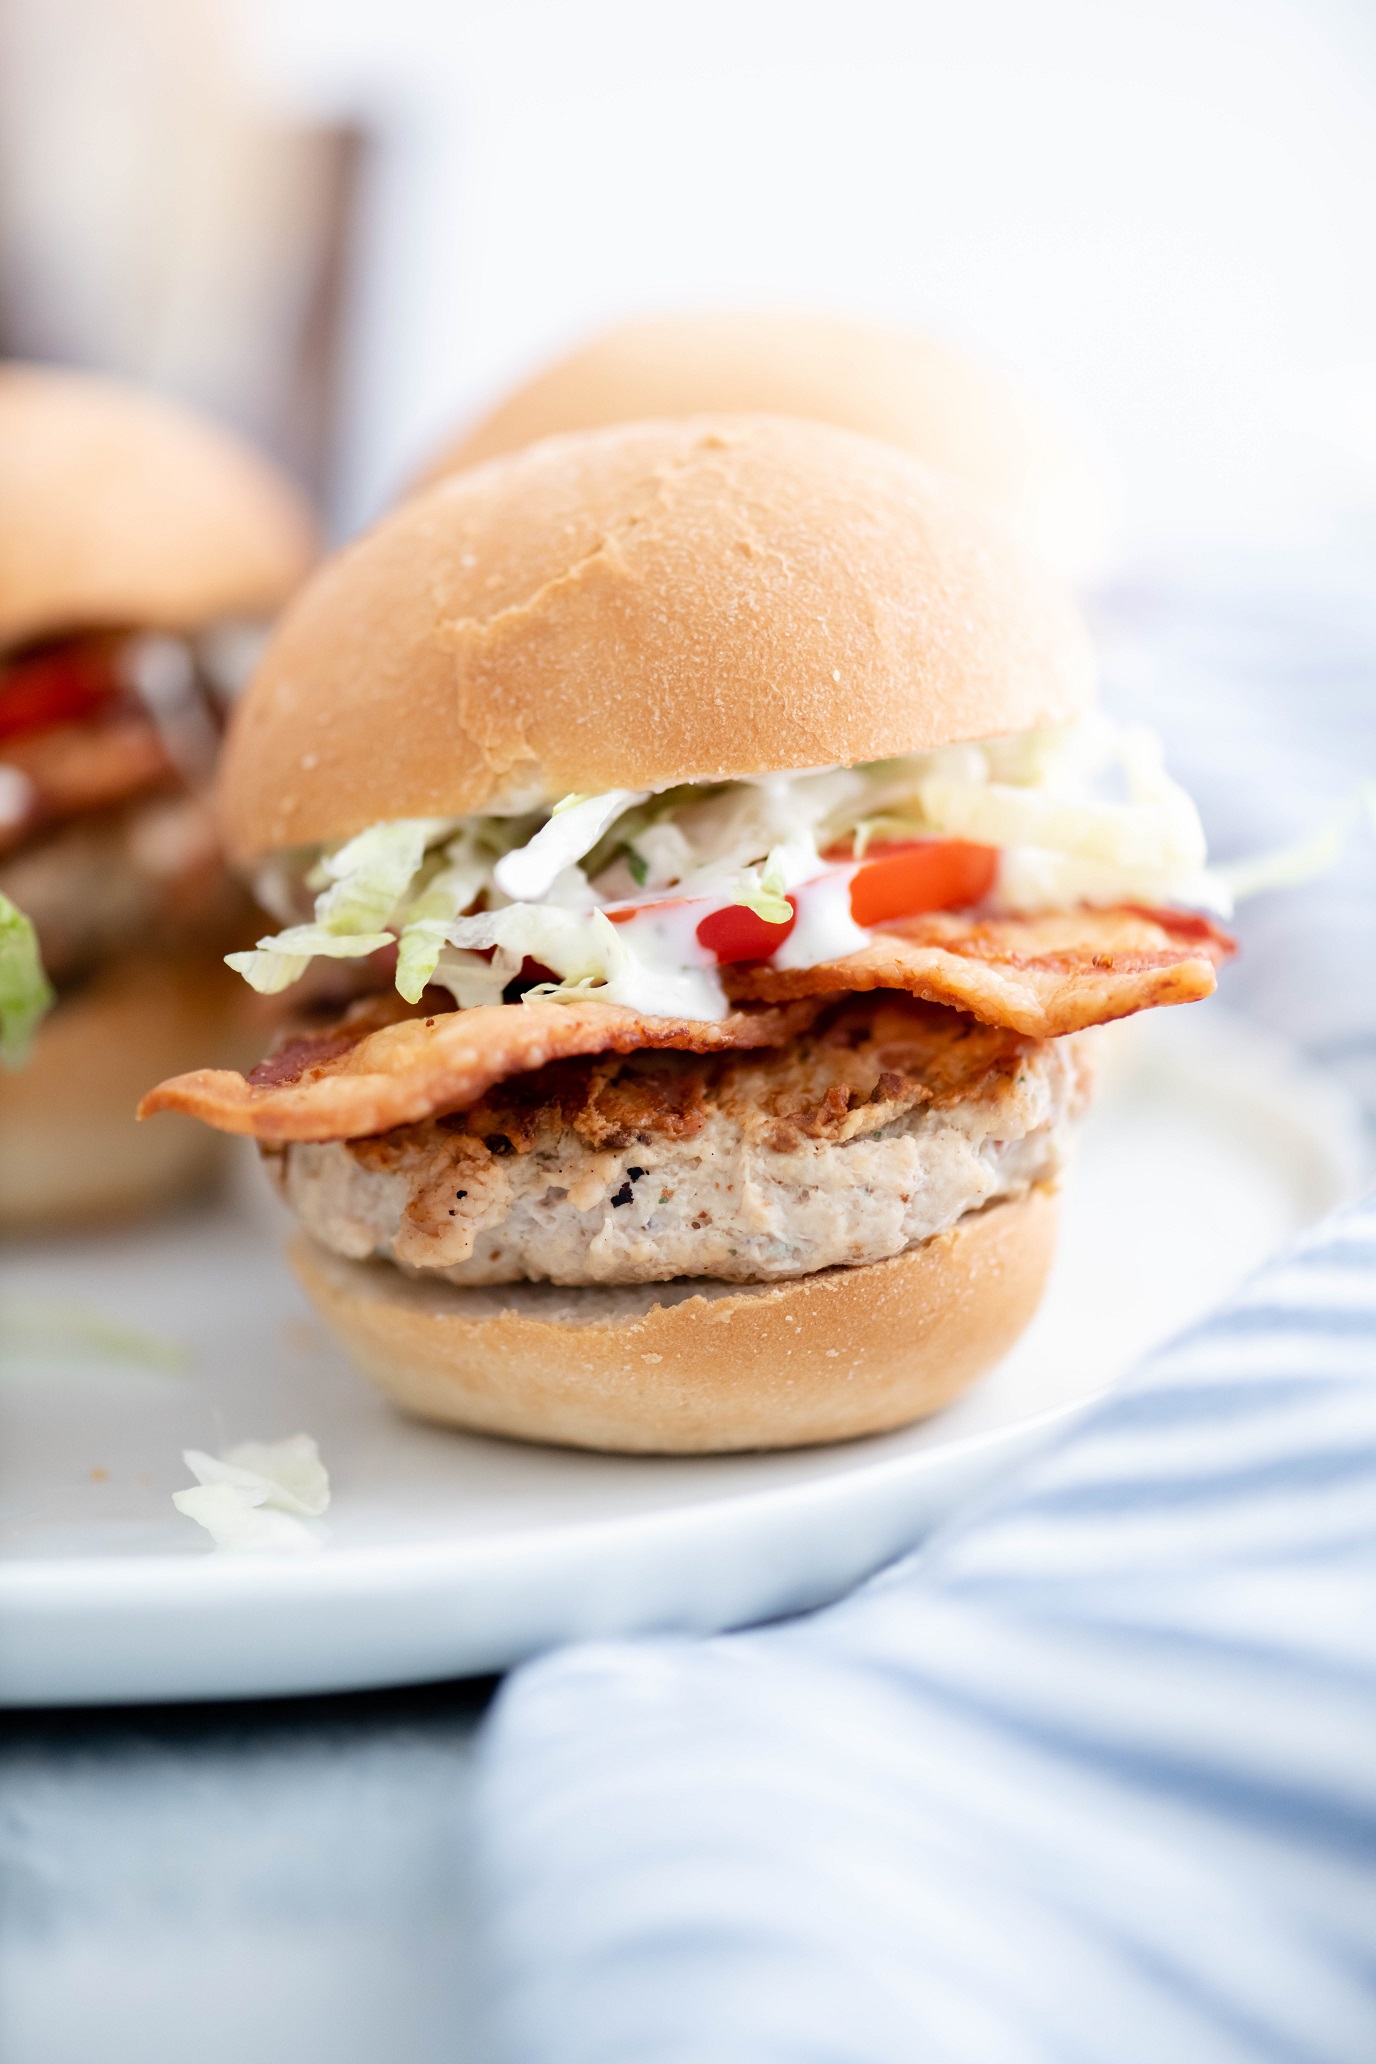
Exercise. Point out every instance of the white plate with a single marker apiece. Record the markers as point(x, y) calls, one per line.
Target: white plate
point(449, 1555)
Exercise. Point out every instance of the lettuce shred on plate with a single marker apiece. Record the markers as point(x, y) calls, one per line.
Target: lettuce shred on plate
point(254, 1497)
point(1081, 814)
point(26, 994)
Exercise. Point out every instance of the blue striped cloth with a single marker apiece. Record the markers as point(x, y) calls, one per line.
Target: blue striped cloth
point(1092, 1777)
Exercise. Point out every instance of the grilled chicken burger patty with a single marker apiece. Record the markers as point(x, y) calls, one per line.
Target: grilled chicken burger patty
point(879, 1129)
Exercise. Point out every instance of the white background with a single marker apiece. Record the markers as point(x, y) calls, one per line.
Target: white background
point(1160, 214)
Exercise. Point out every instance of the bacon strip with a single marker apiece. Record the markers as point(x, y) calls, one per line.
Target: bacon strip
point(423, 1066)
point(1042, 976)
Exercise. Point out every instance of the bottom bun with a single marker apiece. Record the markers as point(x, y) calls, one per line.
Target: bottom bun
point(71, 1151)
point(693, 1368)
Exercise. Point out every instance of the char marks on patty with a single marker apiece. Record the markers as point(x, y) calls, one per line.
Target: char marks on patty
point(414, 1067)
point(862, 1064)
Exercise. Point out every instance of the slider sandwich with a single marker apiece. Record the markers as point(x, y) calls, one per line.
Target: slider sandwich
point(141, 552)
point(732, 863)
point(908, 389)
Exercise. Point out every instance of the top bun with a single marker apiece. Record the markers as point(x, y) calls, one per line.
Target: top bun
point(633, 607)
point(118, 509)
point(885, 383)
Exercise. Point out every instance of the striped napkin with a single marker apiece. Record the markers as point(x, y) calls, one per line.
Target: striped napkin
point(1092, 1776)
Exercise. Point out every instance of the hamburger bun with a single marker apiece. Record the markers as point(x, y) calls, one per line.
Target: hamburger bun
point(638, 606)
point(908, 390)
point(690, 1368)
point(70, 1149)
point(121, 509)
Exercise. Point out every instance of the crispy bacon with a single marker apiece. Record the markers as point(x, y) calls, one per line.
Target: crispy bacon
point(416, 1069)
point(1041, 976)
point(1044, 975)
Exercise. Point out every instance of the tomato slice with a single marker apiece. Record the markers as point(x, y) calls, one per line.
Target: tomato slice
point(732, 933)
point(736, 933)
point(900, 881)
point(930, 874)
point(60, 684)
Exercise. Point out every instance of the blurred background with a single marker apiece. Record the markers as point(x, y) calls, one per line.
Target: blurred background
point(348, 224)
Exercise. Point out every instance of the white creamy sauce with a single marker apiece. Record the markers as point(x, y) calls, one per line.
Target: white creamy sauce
point(663, 968)
point(825, 929)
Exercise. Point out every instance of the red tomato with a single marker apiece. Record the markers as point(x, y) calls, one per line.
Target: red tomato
point(61, 684)
point(732, 933)
point(735, 933)
point(931, 874)
point(623, 913)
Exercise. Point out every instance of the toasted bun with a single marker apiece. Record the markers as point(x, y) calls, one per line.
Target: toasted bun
point(120, 509)
point(694, 1369)
point(70, 1150)
point(886, 383)
point(633, 607)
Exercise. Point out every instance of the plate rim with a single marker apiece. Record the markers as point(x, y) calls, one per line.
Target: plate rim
point(297, 1577)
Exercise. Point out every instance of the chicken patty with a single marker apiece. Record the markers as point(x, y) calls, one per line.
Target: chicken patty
point(878, 1128)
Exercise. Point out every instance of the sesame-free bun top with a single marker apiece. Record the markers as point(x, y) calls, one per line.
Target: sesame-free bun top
point(907, 389)
point(119, 508)
point(638, 606)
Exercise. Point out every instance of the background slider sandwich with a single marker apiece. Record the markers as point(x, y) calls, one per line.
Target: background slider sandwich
point(141, 550)
point(903, 387)
point(717, 822)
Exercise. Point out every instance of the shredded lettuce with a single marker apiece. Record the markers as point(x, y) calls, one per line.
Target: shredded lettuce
point(1035, 878)
point(275, 963)
point(241, 1524)
point(255, 1496)
point(369, 876)
point(658, 856)
point(470, 979)
point(579, 946)
point(1037, 798)
point(1081, 812)
point(764, 889)
point(26, 994)
point(464, 869)
point(287, 1473)
point(574, 828)
point(717, 836)
point(418, 952)
point(1111, 834)
point(361, 885)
